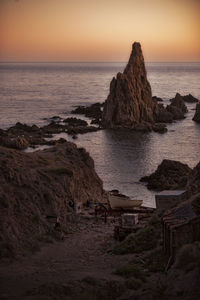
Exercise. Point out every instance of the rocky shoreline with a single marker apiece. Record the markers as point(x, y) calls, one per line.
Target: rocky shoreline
point(48, 197)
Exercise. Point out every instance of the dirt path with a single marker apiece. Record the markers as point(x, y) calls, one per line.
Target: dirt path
point(80, 255)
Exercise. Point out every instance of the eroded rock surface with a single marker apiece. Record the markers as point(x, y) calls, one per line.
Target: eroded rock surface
point(129, 102)
point(36, 185)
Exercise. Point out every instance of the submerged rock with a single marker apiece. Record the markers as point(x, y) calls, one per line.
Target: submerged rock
point(196, 117)
point(129, 102)
point(170, 175)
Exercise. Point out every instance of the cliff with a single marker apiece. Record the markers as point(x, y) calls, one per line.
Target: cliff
point(41, 184)
point(129, 102)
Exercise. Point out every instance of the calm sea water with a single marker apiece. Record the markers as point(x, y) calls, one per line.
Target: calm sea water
point(31, 92)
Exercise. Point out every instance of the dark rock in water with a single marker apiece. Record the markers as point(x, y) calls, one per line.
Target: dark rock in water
point(92, 111)
point(179, 102)
point(55, 119)
point(170, 175)
point(75, 122)
point(80, 110)
point(160, 127)
point(196, 117)
point(81, 129)
point(161, 115)
point(177, 107)
point(176, 112)
point(190, 99)
point(129, 102)
point(19, 128)
point(158, 99)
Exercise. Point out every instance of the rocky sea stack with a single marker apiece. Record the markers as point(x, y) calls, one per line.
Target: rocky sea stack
point(129, 102)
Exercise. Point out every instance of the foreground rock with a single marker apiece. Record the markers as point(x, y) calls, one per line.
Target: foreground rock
point(170, 175)
point(41, 184)
point(196, 117)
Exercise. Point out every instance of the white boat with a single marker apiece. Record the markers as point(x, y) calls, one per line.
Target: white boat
point(120, 201)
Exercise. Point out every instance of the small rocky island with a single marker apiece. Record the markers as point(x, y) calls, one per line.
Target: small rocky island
point(130, 103)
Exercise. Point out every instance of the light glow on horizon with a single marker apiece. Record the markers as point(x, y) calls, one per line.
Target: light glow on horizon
point(93, 30)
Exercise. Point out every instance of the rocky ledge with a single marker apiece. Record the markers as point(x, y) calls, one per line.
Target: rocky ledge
point(42, 185)
point(20, 136)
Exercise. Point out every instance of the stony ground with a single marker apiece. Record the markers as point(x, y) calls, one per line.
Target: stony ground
point(80, 257)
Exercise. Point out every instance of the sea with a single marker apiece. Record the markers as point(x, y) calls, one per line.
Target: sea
point(33, 92)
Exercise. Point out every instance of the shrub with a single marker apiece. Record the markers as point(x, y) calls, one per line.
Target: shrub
point(128, 271)
point(144, 239)
point(133, 284)
point(156, 261)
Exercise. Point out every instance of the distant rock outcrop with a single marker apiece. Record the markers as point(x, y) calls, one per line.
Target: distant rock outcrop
point(129, 102)
point(170, 175)
point(196, 117)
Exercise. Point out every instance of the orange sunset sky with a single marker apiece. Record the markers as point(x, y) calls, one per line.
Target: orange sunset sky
point(99, 30)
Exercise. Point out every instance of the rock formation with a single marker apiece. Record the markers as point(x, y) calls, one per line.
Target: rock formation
point(170, 175)
point(36, 185)
point(129, 102)
point(190, 99)
point(177, 107)
point(196, 117)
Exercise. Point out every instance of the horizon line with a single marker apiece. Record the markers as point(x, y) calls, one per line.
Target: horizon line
point(54, 62)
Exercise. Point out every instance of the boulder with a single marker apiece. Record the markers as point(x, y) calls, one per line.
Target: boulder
point(177, 108)
point(196, 117)
point(178, 101)
point(75, 122)
point(190, 99)
point(129, 102)
point(160, 127)
point(161, 115)
point(170, 175)
point(92, 111)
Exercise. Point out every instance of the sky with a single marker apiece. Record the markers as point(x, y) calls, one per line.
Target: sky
point(99, 30)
